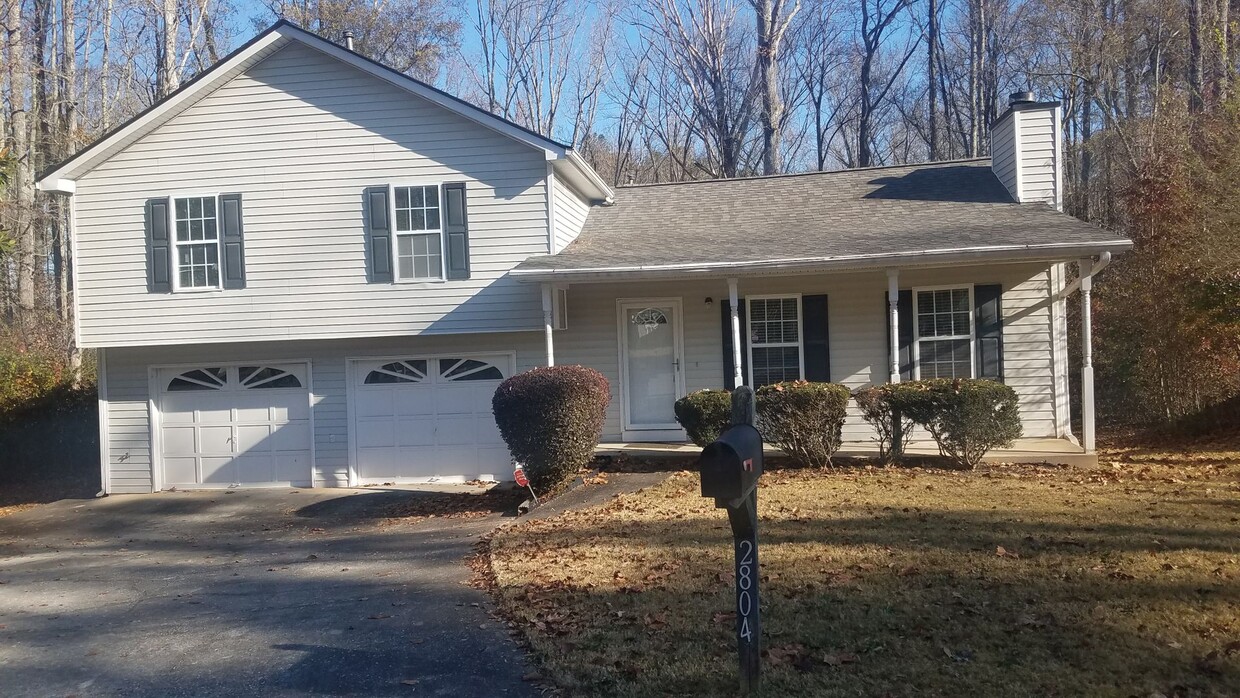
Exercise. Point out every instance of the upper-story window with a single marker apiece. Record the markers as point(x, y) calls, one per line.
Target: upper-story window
point(196, 243)
point(944, 333)
point(419, 233)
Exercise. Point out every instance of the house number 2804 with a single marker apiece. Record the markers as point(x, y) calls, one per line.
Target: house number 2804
point(745, 584)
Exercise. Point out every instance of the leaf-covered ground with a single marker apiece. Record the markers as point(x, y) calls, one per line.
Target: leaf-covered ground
point(1118, 581)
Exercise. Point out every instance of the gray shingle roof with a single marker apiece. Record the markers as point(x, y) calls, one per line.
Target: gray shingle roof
point(873, 212)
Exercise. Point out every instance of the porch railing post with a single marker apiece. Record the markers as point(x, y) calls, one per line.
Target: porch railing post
point(1087, 357)
point(548, 323)
point(738, 379)
point(893, 318)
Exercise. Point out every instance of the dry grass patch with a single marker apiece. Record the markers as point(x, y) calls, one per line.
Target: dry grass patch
point(1118, 581)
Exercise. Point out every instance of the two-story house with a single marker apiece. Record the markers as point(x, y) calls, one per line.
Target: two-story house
point(305, 268)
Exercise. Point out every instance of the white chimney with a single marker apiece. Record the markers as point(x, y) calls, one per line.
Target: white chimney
point(1026, 150)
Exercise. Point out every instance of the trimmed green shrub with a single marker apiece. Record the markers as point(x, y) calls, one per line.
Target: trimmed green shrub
point(804, 420)
point(966, 417)
point(704, 414)
point(552, 418)
point(891, 427)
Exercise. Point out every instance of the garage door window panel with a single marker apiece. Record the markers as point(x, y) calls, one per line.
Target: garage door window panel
point(267, 377)
point(407, 371)
point(469, 370)
point(199, 379)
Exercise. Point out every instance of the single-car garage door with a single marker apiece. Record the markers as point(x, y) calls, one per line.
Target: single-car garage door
point(421, 419)
point(227, 426)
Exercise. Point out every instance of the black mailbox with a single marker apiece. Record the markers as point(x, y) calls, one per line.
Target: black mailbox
point(731, 465)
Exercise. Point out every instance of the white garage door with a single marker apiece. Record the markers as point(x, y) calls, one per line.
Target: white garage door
point(428, 419)
point(225, 426)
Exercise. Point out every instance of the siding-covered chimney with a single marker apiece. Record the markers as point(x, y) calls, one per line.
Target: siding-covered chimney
point(1025, 150)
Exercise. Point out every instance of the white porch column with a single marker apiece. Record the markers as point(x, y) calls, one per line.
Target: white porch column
point(548, 323)
point(734, 303)
point(1087, 357)
point(893, 318)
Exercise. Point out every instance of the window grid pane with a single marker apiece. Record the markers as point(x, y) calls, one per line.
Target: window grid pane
point(417, 209)
point(419, 256)
point(775, 339)
point(944, 334)
point(197, 242)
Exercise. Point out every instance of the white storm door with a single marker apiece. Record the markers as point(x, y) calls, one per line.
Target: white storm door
point(650, 364)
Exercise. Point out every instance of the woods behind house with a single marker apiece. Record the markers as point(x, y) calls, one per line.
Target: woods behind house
point(667, 90)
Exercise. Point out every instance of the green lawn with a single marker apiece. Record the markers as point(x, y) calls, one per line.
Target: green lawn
point(1120, 581)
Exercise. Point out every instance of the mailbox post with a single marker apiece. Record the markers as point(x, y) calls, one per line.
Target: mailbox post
point(730, 470)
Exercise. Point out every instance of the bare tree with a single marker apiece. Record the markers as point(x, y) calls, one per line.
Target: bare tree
point(877, 17)
point(773, 19)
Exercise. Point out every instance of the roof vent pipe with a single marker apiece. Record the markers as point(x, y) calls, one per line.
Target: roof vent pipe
point(1020, 98)
point(348, 39)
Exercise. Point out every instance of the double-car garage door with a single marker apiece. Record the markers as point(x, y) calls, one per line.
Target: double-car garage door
point(413, 419)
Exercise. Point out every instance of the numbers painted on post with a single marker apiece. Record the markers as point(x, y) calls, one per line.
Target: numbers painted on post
point(745, 577)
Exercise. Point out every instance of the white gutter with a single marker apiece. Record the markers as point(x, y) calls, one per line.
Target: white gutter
point(1049, 252)
point(1103, 260)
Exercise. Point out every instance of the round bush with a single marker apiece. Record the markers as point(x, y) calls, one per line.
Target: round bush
point(552, 418)
point(704, 414)
point(891, 428)
point(804, 420)
point(967, 417)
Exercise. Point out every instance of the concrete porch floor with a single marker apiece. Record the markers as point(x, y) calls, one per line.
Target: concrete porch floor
point(1041, 450)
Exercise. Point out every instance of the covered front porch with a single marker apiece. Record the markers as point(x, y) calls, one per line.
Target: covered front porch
point(1027, 450)
point(659, 336)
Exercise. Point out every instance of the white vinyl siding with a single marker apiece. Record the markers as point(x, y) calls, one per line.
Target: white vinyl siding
point(1003, 155)
point(1022, 154)
point(1037, 155)
point(128, 381)
point(571, 210)
point(301, 135)
point(858, 331)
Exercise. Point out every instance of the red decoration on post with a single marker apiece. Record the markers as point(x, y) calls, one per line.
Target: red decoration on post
point(519, 476)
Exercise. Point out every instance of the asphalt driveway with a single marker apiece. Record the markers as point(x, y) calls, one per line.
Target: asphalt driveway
point(254, 592)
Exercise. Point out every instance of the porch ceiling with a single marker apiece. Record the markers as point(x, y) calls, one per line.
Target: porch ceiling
point(941, 213)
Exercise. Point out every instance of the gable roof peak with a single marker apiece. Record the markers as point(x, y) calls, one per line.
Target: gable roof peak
point(62, 176)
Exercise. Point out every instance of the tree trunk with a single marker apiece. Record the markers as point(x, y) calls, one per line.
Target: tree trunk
point(167, 80)
point(1196, 59)
point(23, 172)
point(932, 39)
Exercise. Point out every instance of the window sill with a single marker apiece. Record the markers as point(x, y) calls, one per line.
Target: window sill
point(217, 289)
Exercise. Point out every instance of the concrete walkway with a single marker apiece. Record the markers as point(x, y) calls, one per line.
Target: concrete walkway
point(250, 593)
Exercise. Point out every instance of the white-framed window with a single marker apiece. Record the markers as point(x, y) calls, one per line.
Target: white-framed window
point(943, 331)
point(776, 340)
point(418, 232)
point(196, 242)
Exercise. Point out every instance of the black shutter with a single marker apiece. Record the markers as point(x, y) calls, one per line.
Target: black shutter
point(904, 307)
point(232, 244)
point(158, 247)
point(989, 324)
point(729, 372)
point(817, 350)
point(456, 230)
point(378, 235)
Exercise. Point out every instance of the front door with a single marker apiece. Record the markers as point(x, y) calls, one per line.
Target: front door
point(650, 368)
